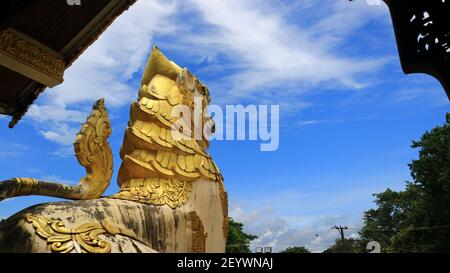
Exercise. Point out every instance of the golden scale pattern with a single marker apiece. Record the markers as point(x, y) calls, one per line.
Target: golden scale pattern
point(156, 168)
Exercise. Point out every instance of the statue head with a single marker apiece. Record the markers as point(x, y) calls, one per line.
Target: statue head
point(163, 79)
point(172, 102)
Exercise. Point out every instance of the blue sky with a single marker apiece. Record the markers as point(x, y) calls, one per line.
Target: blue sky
point(348, 114)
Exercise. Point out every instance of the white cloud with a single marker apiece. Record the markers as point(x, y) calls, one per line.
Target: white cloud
point(9, 150)
point(308, 122)
point(44, 113)
point(434, 97)
point(7, 154)
point(103, 70)
point(65, 135)
point(315, 233)
point(343, 18)
point(57, 179)
point(305, 214)
point(268, 52)
point(264, 51)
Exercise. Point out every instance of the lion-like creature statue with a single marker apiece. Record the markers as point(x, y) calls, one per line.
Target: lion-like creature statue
point(171, 198)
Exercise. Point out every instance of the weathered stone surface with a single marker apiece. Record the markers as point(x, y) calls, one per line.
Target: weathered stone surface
point(156, 228)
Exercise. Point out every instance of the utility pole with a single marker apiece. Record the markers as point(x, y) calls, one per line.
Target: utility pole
point(341, 231)
point(342, 248)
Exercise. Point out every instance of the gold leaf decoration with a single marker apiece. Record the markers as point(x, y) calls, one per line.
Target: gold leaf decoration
point(84, 239)
point(156, 191)
point(34, 55)
point(198, 233)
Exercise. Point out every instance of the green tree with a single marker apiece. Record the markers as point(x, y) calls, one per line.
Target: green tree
point(296, 249)
point(238, 241)
point(394, 212)
point(351, 245)
point(418, 218)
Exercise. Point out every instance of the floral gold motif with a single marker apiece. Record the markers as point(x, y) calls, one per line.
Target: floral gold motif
point(84, 239)
point(156, 191)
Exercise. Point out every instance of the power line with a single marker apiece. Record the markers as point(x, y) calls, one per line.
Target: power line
point(410, 228)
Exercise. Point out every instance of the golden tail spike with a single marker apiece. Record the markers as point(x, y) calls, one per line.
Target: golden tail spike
point(92, 151)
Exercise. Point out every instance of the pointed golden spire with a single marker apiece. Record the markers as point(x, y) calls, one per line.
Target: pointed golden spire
point(158, 63)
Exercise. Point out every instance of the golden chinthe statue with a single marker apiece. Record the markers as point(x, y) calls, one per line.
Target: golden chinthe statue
point(171, 198)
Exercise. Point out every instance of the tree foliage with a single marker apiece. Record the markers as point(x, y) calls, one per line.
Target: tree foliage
point(418, 218)
point(296, 249)
point(238, 241)
point(351, 245)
